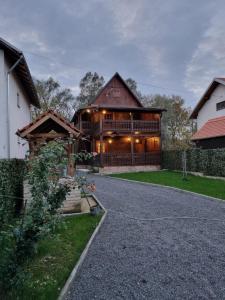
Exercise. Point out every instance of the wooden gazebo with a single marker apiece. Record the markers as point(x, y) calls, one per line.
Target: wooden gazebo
point(51, 126)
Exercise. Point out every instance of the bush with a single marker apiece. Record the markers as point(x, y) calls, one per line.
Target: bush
point(18, 240)
point(11, 188)
point(209, 162)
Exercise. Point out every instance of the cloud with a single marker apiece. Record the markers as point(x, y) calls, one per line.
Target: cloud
point(163, 43)
point(208, 59)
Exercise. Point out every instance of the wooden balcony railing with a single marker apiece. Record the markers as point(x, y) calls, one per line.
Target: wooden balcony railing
point(126, 159)
point(121, 126)
point(127, 126)
point(90, 128)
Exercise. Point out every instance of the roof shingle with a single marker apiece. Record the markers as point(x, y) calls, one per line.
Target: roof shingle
point(212, 128)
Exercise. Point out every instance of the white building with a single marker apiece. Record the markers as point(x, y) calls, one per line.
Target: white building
point(17, 94)
point(211, 104)
point(210, 115)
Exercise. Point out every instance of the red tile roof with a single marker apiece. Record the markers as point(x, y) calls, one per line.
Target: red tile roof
point(213, 128)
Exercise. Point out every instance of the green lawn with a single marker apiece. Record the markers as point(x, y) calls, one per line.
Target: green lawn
point(56, 258)
point(197, 184)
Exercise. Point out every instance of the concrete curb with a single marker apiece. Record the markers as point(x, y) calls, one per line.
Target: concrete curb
point(168, 187)
point(83, 255)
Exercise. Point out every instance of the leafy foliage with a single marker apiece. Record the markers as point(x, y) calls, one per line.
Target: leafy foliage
point(18, 240)
point(209, 162)
point(134, 87)
point(89, 85)
point(11, 188)
point(177, 128)
point(52, 96)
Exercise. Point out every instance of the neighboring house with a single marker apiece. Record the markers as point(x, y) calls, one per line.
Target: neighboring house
point(210, 116)
point(120, 129)
point(17, 94)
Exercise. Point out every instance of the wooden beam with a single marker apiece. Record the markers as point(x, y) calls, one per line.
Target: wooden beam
point(70, 166)
point(101, 149)
point(132, 150)
point(47, 135)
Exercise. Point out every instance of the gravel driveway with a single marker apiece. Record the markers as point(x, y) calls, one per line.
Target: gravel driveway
point(136, 255)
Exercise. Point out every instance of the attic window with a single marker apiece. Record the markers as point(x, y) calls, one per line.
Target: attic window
point(220, 105)
point(116, 92)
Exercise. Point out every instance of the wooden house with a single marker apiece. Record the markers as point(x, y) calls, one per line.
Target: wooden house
point(119, 128)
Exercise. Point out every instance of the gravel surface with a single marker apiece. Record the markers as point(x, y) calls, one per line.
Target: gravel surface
point(154, 258)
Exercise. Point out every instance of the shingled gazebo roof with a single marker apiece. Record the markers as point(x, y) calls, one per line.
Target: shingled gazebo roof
point(47, 122)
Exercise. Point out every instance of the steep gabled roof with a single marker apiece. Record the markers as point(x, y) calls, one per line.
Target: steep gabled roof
point(211, 129)
point(22, 70)
point(117, 75)
point(42, 124)
point(213, 85)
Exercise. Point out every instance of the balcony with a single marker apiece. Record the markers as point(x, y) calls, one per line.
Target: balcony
point(121, 126)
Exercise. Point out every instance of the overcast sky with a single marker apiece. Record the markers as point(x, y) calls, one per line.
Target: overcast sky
point(168, 47)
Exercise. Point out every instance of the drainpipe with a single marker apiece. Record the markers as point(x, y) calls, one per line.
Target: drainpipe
point(7, 105)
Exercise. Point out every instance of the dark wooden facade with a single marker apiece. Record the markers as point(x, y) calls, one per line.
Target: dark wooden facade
point(212, 143)
point(119, 128)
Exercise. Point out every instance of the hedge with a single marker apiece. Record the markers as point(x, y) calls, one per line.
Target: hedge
point(11, 188)
point(209, 162)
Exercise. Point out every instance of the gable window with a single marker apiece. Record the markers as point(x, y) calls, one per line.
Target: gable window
point(116, 92)
point(220, 105)
point(18, 100)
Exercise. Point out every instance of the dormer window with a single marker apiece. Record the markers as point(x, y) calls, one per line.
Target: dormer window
point(220, 105)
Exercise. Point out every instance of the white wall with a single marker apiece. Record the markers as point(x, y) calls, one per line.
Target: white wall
point(208, 111)
point(19, 117)
point(3, 129)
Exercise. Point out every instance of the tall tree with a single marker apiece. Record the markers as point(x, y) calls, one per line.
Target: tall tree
point(177, 128)
point(90, 85)
point(52, 96)
point(134, 87)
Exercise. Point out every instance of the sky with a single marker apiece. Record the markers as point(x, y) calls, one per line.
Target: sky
point(168, 47)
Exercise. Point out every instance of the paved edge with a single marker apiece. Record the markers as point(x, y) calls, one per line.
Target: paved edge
point(168, 187)
point(79, 263)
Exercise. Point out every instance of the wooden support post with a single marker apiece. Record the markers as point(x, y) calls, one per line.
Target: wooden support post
point(93, 145)
point(70, 166)
point(80, 122)
point(132, 122)
point(101, 150)
point(160, 140)
point(132, 150)
point(145, 152)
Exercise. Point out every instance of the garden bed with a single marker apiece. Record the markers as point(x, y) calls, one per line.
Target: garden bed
point(206, 186)
point(56, 257)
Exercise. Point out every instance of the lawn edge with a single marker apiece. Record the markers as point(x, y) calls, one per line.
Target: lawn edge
point(168, 187)
point(80, 261)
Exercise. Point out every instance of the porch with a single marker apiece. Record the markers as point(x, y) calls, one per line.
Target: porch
point(128, 159)
point(127, 151)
